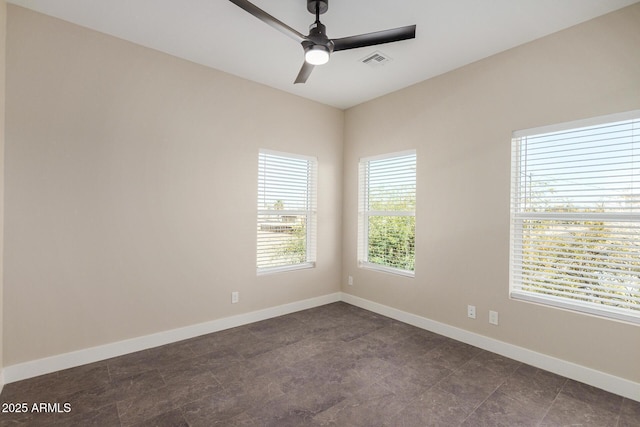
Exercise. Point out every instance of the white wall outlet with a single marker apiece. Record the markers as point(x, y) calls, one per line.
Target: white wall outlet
point(235, 297)
point(471, 311)
point(350, 281)
point(493, 317)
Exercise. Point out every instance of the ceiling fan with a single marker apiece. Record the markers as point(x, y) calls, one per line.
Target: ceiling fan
point(317, 46)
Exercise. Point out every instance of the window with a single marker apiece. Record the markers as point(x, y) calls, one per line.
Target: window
point(387, 205)
point(575, 216)
point(286, 211)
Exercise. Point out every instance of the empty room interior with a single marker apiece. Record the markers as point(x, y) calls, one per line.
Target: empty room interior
point(190, 238)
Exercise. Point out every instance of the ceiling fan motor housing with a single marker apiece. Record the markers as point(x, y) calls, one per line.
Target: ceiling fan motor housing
point(322, 4)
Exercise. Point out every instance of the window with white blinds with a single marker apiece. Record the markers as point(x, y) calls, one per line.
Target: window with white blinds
point(387, 204)
point(286, 211)
point(575, 216)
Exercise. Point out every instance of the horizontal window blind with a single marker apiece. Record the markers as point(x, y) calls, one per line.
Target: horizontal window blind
point(387, 200)
point(286, 211)
point(575, 211)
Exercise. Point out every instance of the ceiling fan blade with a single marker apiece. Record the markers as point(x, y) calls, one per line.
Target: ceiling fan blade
point(304, 73)
point(378, 37)
point(268, 19)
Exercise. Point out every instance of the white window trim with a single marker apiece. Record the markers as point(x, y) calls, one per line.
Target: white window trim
point(310, 213)
point(363, 219)
point(517, 219)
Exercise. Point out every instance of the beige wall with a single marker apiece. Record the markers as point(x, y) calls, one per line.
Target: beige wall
point(3, 37)
point(131, 189)
point(460, 124)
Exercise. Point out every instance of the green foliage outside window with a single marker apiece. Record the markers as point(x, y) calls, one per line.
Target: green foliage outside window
point(294, 247)
point(392, 241)
point(391, 238)
point(576, 257)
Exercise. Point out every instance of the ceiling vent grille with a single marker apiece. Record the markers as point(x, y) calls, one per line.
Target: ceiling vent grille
point(376, 59)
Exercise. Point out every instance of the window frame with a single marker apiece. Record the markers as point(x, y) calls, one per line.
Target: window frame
point(518, 217)
point(364, 213)
point(309, 212)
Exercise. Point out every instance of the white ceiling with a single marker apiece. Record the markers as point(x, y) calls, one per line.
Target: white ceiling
point(218, 34)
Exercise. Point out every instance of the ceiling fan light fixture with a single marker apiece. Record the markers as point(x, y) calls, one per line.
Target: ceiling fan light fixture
point(317, 46)
point(316, 54)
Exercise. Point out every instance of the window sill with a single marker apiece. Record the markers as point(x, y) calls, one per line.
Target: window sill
point(282, 269)
point(384, 269)
point(576, 306)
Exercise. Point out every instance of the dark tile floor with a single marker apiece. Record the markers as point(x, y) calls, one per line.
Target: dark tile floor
point(334, 365)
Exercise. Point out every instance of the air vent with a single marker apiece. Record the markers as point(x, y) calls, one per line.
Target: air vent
point(375, 59)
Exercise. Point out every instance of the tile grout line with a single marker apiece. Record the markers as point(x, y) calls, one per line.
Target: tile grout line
point(487, 398)
point(490, 394)
point(553, 402)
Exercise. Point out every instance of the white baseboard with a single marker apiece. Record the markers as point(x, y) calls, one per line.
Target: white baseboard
point(608, 382)
point(47, 365)
point(602, 380)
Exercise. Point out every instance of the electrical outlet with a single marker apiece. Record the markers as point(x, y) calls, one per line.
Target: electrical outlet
point(471, 311)
point(350, 280)
point(235, 297)
point(493, 317)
